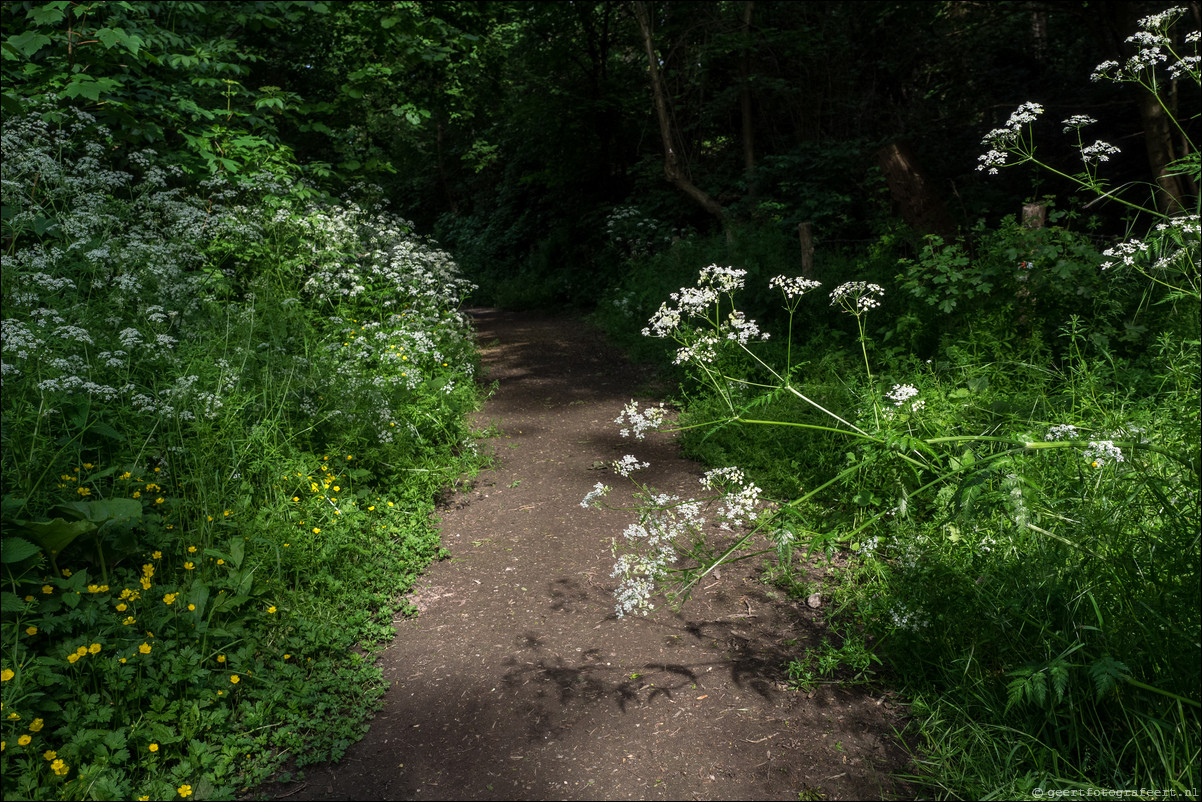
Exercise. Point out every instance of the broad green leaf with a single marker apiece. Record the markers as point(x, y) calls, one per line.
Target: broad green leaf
point(11, 603)
point(99, 512)
point(237, 552)
point(16, 549)
point(55, 535)
point(26, 44)
point(50, 14)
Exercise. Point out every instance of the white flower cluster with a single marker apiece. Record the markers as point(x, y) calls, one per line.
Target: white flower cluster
point(901, 396)
point(700, 302)
point(636, 234)
point(1000, 140)
point(1125, 253)
point(638, 422)
point(598, 492)
point(1062, 431)
point(1153, 48)
point(628, 465)
point(794, 287)
point(1100, 452)
point(740, 500)
point(1077, 121)
point(857, 297)
point(742, 330)
point(650, 550)
point(1099, 151)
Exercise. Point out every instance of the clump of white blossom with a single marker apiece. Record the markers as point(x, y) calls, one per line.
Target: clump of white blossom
point(857, 297)
point(693, 318)
point(1101, 452)
point(903, 398)
point(668, 527)
point(636, 423)
point(116, 277)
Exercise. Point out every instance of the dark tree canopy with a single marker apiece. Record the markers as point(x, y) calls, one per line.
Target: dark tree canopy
point(514, 127)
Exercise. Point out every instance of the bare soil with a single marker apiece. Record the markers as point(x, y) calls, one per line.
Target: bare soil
point(516, 680)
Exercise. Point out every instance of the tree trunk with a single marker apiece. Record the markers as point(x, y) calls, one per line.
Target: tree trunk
point(914, 199)
point(1158, 141)
point(672, 168)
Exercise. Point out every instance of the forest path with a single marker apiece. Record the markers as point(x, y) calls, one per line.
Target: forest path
point(517, 680)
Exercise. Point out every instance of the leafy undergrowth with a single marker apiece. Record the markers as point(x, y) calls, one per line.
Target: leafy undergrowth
point(227, 410)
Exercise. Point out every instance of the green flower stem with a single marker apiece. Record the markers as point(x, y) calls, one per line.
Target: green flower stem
point(1170, 694)
point(856, 433)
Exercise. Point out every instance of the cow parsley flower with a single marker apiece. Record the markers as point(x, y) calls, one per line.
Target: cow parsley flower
point(628, 465)
point(857, 297)
point(1099, 151)
point(794, 288)
point(639, 422)
point(1100, 452)
point(599, 491)
point(1077, 122)
point(1061, 431)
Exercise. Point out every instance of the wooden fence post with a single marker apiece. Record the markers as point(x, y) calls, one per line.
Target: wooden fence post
point(805, 233)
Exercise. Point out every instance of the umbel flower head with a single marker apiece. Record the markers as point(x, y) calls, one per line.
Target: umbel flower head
point(1002, 140)
point(857, 297)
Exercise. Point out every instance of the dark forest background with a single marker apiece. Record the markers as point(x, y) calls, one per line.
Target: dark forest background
point(511, 131)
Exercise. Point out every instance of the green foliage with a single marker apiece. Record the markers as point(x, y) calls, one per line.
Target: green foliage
point(227, 412)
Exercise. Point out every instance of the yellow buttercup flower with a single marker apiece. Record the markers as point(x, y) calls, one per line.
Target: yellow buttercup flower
point(153, 747)
point(234, 679)
point(221, 658)
point(7, 674)
point(184, 790)
point(36, 725)
point(59, 767)
point(271, 609)
point(94, 648)
point(50, 754)
point(24, 740)
point(31, 631)
point(144, 648)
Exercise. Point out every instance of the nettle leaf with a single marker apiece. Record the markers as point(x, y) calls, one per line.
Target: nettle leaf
point(16, 549)
point(11, 603)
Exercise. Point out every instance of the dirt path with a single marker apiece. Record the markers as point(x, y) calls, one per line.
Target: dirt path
point(516, 681)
